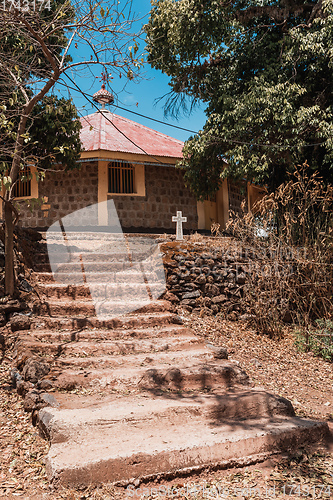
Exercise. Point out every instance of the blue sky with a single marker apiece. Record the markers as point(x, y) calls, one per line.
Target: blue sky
point(141, 96)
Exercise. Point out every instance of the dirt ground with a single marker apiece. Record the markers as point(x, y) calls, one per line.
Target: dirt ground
point(275, 365)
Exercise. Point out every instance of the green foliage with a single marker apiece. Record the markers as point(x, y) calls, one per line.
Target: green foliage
point(204, 177)
point(265, 70)
point(5, 183)
point(33, 203)
point(318, 340)
point(55, 133)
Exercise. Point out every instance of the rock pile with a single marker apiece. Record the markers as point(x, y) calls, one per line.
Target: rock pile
point(25, 243)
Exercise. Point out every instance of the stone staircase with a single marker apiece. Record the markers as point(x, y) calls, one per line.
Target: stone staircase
point(135, 394)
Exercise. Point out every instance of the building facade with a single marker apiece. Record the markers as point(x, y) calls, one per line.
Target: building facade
point(134, 166)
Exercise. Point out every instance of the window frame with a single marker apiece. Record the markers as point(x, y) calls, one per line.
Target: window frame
point(33, 184)
point(122, 166)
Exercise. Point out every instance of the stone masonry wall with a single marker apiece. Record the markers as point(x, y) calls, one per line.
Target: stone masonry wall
point(71, 191)
point(66, 193)
point(165, 194)
point(218, 278)
point(206, 280)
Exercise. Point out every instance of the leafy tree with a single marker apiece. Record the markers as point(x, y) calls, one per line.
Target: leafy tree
point(55, 133)
point(53, 136)
point(37, 40)
point(265, 70)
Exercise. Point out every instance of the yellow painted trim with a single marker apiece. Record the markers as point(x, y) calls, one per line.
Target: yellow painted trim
point(34, 183)
point(115, 155)
point(140, 186)
point(210, 213)
point(225, 203)
point(254, 193)
point(207, 214)
point(102, 193)
point(34, 186)
point(201, 214)
point(248, 191)
point(2, 203)
point(222, 205)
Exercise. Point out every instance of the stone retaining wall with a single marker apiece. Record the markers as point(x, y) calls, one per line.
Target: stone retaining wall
point(206, 281)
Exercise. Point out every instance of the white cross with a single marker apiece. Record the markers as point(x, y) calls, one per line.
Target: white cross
point(179, 219)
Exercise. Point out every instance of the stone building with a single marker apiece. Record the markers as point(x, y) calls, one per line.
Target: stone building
point(135, 167)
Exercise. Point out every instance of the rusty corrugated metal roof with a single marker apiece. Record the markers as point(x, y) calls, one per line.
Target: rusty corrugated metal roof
point(110, 132)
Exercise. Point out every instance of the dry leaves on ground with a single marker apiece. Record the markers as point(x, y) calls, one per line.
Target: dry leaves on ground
point(276, 365)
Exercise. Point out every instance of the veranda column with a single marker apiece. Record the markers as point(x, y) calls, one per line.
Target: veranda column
point(103, 219)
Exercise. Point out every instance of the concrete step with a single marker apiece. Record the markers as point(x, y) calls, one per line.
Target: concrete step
point(84, 238)
point(122, 256)
point(98, 335)
point(141, 438)
point(166, 357)
point(86, 241)
point(58, 290)
point(88, 267)
point(94, 247)
point(77, 278)
point(161, 358)
point(79, 322)
point(103, 308)
point(42, 267)
point(149, 372)
point(87, 348)
point(91, 267)
point(235, 403)
point(104, 290)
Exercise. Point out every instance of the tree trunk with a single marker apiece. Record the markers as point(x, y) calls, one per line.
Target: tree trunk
point(13, 174)
point(9, 251)
point(9, 213)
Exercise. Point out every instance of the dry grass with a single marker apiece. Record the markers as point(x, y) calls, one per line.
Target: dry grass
point(290, 233)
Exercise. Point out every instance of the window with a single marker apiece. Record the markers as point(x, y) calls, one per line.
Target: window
point(121, 178)
point(22, 188)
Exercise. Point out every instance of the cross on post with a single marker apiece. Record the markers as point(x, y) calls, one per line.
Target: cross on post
point(179, 219)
